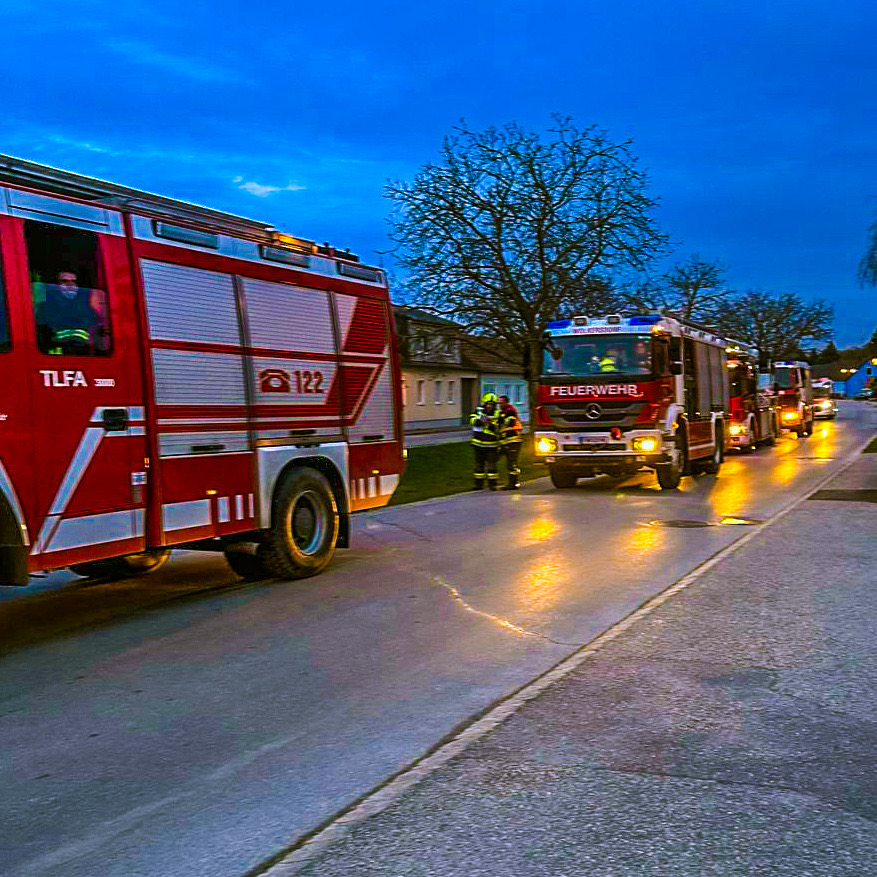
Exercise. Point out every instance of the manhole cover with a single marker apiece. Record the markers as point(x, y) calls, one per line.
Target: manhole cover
point(861, 495)
point(680, 524)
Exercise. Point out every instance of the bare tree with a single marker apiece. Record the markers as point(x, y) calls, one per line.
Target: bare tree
point(868, 266)
point(693, 289)
point(509, 230)
point(776, 324)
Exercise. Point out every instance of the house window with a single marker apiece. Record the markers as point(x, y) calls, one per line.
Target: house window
point(450, 392)
point(507, 390)
point(519, 392)
point(421, 392)
point(437, 395)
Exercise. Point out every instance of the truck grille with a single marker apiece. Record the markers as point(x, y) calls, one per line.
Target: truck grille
point(613, 413)
point(596, 446)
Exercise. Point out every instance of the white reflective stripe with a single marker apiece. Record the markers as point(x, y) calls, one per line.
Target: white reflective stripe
point(92, 530)
point(91, 438)
point(50, 524)
point(387, 484)
point(239, 506)
point(136, 412)
point(136, 430)
point(8, 490)
point(251, 505)
point(193, 513)
point(224, 510)
point(138, 522)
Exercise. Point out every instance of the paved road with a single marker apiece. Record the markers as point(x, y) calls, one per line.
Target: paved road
point(204, 735)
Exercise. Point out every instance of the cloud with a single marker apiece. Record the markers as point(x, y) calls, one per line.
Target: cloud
point(143, 53)
point(261, 191)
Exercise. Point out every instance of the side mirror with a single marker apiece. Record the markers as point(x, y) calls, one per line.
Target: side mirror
point(675, 368)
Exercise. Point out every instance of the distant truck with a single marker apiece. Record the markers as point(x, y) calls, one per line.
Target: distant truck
point(621, 393)
point(823, 403)
point(754, 413)
point(794, 388)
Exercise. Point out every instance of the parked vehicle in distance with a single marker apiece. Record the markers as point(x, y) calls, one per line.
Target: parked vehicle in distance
point(621, 393)
point(754, 413)
point(791, 380)
point(824, 405)
point(864, 394)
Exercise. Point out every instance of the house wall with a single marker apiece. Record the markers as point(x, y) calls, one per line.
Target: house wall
point(856, 383)
point(423, 410)
point(513, 386)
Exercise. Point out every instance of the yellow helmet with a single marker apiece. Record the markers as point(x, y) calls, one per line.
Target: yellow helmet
point(489, 397)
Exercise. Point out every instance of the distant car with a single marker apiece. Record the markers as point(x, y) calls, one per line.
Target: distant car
point(825, 408)
point(864, 394)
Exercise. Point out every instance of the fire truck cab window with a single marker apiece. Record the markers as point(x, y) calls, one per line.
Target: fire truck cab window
point(70, 300)
point(598, 355)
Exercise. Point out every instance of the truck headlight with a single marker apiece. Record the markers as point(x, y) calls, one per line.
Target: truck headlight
point(790, 415)
point(738, 429)
point(647, 444)
point(545, 445)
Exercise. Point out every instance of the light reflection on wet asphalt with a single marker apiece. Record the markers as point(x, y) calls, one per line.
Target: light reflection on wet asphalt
point(269, 707)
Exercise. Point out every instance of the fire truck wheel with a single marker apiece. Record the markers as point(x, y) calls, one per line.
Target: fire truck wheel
point(799, 431)
point(808, 428)
point(304, 526)
point(670, 474)
point(753, 443)
point(712, 466)
point(124, 567)
point(248, 565)
point(562, 480)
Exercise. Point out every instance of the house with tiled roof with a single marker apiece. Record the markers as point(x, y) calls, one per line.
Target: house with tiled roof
point(849, 376)
point(438, 387)
point(500, 371)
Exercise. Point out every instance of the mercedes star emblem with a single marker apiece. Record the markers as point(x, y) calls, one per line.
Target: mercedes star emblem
point(593, 411)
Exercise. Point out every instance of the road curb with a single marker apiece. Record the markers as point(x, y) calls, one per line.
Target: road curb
point(290, 862)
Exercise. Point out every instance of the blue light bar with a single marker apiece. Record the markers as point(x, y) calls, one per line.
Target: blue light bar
point(559, 324)
point(645, 320)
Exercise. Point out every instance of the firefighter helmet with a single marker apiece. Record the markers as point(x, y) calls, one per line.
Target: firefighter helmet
point(489, 397)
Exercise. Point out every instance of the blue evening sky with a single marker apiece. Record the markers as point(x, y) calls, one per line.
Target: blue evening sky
point(756, 120)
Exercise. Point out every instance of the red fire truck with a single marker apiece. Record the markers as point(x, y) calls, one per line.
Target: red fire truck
point(795, 392)
point(178, 376)
point(754, 415)
point(619, 393)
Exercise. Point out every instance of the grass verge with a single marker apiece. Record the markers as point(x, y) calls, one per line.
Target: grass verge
point(440, 470)
point(872, 446)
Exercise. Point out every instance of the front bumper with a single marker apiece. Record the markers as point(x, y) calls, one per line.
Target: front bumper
point(594, 450)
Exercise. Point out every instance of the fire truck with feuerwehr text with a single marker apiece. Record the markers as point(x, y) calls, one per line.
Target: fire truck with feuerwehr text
point(178, 376)
point(754, 412)
point(620, 393)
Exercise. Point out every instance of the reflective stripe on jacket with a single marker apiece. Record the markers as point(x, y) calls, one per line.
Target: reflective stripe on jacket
point(509, 426)
point(485, 430)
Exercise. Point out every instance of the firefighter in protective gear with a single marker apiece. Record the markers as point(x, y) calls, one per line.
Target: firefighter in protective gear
point(510, 428)
point(485, 442)
point(609, 361)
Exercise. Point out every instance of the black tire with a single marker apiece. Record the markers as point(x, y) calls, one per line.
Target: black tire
point(670, 474)
point(249, 565)
point(808, 427)
point(562, 480)
point(124, 567)
point(753, 441)
point(712, 466)
point(304, 526)
point(799, 431)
